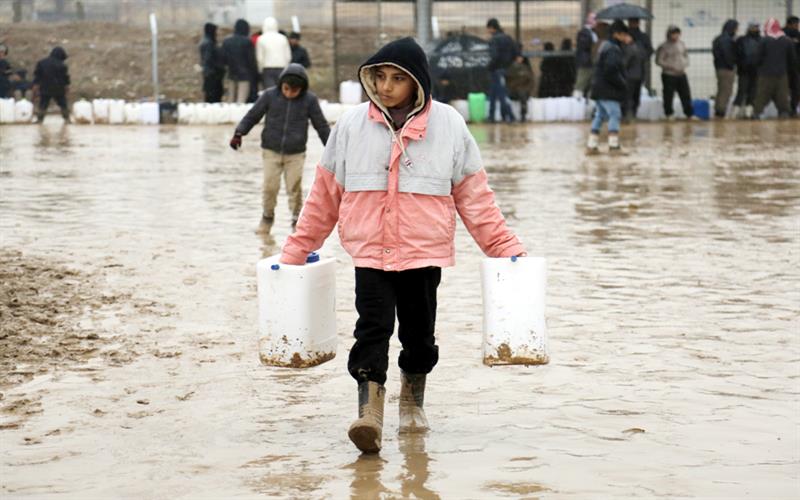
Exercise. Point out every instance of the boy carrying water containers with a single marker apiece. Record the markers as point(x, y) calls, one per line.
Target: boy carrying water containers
point(287, 108)
point(394, 173)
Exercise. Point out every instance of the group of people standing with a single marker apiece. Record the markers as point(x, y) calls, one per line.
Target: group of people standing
point(250, 61)
point(50, 81)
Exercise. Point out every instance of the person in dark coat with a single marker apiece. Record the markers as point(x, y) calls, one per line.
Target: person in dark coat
point(240, 57)
point(584, 46)
point(638, 54)
point(286, 109)
point(213, 64)
point(609, 87)
point(724, 49)
point(776, 54)
point(792, 32)
point(299, 53)
point(51, 81)
point(520, 81)
point(550, 73)
point(443, 89)
point(5, 73)
point(503, 51)
point(747, 69)
point(567, 68)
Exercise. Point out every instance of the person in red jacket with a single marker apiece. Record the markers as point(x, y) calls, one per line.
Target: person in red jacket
point(395, 172)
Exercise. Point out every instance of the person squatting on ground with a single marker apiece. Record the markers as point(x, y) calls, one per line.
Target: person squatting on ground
point(394, 173)
point(792, 32)
point(239, 55)
point(609, 87)
point(51, 81)
point(299, 53)
point(776, 55)
point(724, 50)
point(273, 53)
point(503, 51)
point(673, 58)
point(747, 68)
point(213, 64)
point(584, 45)
point(520, 81)
point(287, 108)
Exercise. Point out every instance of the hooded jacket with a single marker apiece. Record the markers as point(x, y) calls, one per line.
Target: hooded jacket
point(747, 52)
point(286, 120)
point(776, 52)
point(672, 56)
point(610, 81)
point(724, 46)
point(395, 194)
point(272, 48)
point(51, 73)
point(210, 54)
point(239, 54)
point(585, 41)
point(502, 51)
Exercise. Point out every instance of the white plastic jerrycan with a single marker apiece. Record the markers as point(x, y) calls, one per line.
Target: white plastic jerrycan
point(514, 326)
point(296, 312)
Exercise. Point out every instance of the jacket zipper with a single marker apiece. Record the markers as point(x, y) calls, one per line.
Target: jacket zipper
point(285, 125)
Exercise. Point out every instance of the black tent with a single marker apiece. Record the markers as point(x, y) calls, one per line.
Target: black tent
point(462, 59)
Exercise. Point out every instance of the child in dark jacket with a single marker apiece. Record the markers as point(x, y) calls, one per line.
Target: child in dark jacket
point(394, 174)
point(51, 81)
point(609, 88)
point(287, 109)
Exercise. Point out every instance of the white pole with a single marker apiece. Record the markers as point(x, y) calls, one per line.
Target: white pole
point(295, 24)
point(154, 32)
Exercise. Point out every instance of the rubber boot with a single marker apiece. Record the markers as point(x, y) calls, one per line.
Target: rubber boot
point(748, 112)
point(592, 144)
point(412, 396)
point(265, 226)
point(367, 431)
point(614, 147)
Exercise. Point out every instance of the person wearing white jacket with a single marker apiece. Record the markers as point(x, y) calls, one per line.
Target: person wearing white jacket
point(273, 53)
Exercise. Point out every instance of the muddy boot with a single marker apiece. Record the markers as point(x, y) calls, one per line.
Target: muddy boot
point(592, 145)
point(367, 431)
point(614, 147)
point(265, 226)
point(65, 116)
point(412, 395)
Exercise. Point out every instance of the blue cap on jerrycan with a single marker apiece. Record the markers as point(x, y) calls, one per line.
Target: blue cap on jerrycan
point(312, 257)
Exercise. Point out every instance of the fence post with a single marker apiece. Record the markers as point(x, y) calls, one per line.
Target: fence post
point(154, 32)
point(517, 29)
point(424, 12)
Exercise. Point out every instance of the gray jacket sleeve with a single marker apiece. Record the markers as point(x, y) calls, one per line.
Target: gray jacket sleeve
point(318, 120)
point(256, 113)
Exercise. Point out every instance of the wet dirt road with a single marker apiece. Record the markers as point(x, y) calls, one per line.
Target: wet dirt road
point(673, 305)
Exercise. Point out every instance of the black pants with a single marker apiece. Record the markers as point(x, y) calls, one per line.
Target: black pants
point(631, 106)
point(681, 85)
point(794, 90)
point(44, 103)
point(270, 76)
point(379, 294)
point(746, 93)
point(212, 87)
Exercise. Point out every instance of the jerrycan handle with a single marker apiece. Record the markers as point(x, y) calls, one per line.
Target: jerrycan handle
point(312, 257)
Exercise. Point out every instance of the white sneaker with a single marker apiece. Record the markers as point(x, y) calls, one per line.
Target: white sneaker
point(592, 146)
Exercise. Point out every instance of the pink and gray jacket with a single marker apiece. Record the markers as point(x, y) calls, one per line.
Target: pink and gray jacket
point(395, 194)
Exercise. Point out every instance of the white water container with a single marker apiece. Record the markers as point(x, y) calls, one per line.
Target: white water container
point(23, 111)
point(537, 110)
point(116, 111)
point(82, 111)
point(577, 109)
point(184, 112)
point(550, 109)
point(514, 326)
point(100, 110)
point(237, 111)
point(7, 110)
point(149, 113)
point(133, 112)
point(296, 312)
point(350, 92)
point(462, 106)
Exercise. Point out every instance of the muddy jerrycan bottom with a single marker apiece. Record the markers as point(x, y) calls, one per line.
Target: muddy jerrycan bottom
point(514, 326)
point(296, 312)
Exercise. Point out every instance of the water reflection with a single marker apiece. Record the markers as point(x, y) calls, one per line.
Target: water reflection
point(764, 188)
point(50, 137)
point(366, 483)
point(416, 464)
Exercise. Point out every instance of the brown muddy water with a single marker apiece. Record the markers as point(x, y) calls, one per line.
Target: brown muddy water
point(673, 306)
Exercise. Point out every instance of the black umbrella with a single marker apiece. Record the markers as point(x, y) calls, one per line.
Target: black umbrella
point(624, 11)
point(462, 59)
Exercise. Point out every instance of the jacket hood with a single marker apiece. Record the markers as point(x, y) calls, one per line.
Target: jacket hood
point(270, 25)
point(241, 27)
point(730, 26)
point(295, 69)
point(406, 55)
point(772, 28)
point(59, 53)
point(210, 30)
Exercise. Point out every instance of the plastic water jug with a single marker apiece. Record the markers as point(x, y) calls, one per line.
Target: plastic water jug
point(23, 111)
point(550, 109)
point(514, 326)
point(82, 111)
point(537, 110)
point(100, 110)
point(701, 108)
point(296, 312)
point(350, 92)
point(149, 113)
point(183, 112)
point(7, 110)
point(133, 112)
point(477, 106)
point(462, 106)
point(116, 111)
